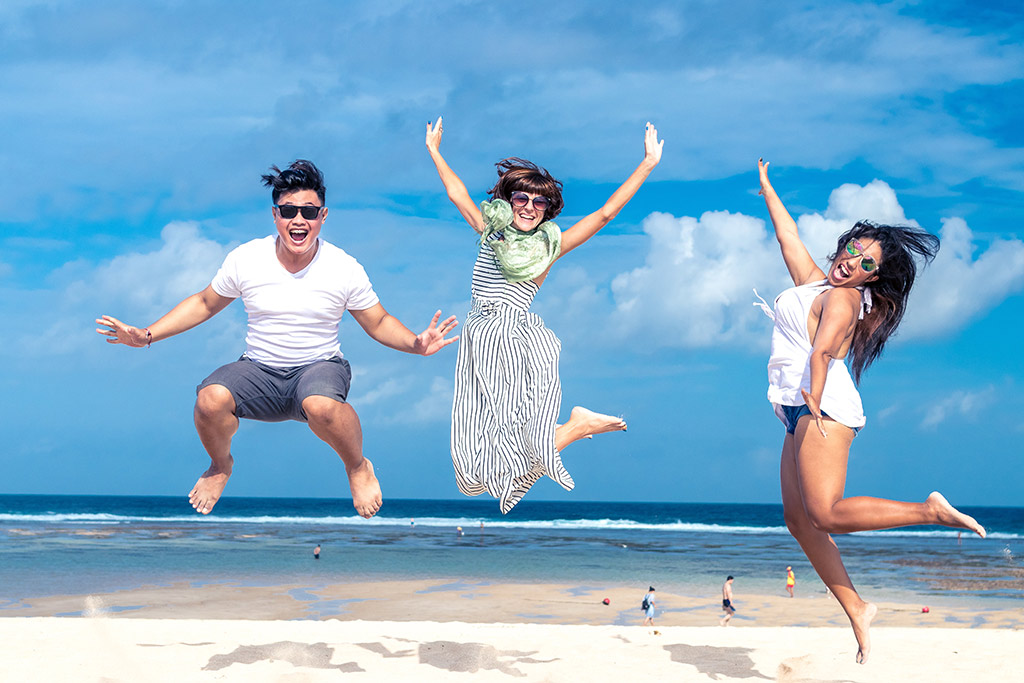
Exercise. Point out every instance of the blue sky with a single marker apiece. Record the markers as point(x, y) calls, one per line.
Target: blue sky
point(134, 136)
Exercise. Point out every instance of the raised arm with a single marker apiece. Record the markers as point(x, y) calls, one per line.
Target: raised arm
point(802, 267)
point(194, 310)
point(457, 192)
point(389, 331)
point(588, 227)
point(840, 308)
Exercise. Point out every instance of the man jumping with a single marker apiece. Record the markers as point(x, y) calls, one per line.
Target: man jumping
point(295, 287)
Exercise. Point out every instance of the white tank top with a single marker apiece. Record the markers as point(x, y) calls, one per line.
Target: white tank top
point(789, 368)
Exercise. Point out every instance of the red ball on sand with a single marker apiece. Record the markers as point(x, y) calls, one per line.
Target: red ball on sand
point(607, 601)
point(925, 610)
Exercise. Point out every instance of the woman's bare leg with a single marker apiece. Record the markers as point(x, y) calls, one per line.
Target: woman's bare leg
point(822, 551)
point(584, 423)
point(822, 477)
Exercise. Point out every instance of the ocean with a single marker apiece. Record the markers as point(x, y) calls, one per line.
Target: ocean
point(76, 545)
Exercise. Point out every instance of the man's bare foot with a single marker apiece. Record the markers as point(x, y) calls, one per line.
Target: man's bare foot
point(591, 423)
point(861, 630)
point(205, 494)
point(950, 516)
point(366, 495)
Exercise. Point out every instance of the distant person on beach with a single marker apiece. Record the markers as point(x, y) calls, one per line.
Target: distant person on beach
point(790, 581)
point(507, 399)
point(316, 552)
point(296, 288)
point(727, 605)
point(848, 313)
point(648, 607)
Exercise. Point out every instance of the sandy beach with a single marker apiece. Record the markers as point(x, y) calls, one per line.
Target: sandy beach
point(446, 630)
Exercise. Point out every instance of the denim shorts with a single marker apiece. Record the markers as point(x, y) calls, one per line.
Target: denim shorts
point(794, 413)
point(270, 394)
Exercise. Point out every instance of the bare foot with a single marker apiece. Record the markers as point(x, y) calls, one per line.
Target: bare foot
point(861, 630)
point(950, 516)
point(366, 495)
point(588, 436)
point(205, 494)
point(591, 423)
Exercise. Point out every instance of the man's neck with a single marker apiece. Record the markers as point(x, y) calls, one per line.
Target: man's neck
point(293, 263)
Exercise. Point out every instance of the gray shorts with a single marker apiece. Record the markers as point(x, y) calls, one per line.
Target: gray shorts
point(270, 394)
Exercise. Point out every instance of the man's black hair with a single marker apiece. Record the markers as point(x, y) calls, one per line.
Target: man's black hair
point(301, 175)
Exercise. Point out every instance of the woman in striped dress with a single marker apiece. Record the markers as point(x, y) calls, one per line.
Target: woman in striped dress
point(505, 434)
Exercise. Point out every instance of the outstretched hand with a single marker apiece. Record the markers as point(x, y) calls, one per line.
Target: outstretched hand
point(813, 406)
point(434, 135)
point(432, 339)
point(762, 171)
point(652, 147)
point(119, 333)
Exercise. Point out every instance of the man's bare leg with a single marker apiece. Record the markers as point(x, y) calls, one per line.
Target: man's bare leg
point(584, 423)
point(338, 426)
point(216, 423)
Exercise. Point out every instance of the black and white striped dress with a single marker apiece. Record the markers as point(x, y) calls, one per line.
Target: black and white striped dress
point(507, 392)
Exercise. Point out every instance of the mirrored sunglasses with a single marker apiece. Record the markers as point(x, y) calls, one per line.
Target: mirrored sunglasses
point(855, 248)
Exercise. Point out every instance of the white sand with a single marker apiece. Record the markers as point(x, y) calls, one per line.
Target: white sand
point(110, 648)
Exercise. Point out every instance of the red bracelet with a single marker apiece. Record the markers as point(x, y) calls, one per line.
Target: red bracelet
point(149, 337)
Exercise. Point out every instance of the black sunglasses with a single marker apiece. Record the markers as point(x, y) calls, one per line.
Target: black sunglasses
point(289, 211)
point(521, 199)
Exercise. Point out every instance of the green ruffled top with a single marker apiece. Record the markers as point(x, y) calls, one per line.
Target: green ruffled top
point(521, 255)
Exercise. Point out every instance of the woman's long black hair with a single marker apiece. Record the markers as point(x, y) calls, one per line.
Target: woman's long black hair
point(890, 290)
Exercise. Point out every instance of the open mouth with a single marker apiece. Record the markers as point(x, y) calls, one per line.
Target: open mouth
point(298, 236)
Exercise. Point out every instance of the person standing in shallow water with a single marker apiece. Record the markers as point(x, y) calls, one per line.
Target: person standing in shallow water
point(649, 610)
point(790, 581)
point(847, 314)
point(296, 287)
point(507, 399)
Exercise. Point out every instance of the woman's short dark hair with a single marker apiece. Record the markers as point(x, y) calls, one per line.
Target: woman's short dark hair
point(900, 244)
point(300, 175)
point(520, 175)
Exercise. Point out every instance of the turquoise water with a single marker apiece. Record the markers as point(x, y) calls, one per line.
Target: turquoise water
point(51, 545)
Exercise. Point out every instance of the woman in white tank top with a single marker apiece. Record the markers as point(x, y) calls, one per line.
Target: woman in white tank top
point(819, 324)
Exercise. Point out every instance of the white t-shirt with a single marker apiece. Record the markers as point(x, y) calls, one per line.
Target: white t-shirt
point(293, 317)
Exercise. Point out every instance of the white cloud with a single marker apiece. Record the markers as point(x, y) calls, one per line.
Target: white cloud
point(884, 414)
point(134, 287)
point(695, 288)
point(436, 406)
point(147, 90)
point(153, 282)
point(963, 283)
point(960, 403)
point(385, 390)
